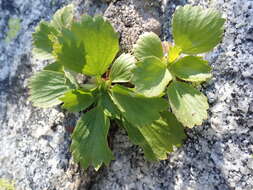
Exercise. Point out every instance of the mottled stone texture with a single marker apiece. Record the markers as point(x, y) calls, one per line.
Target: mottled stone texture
point(34, 146)
point(131, 18)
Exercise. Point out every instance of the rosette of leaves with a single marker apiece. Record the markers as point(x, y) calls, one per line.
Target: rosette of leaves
point(174, 70)
point(113, 90)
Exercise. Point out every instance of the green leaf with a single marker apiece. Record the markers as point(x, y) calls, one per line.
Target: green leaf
point(176, 131)
point(148, 44)
point(197, 30)
point(188, 104)
point(46, 87)
point(151, 76)
point(121, 68)
point(63, 18)
point(100, 42)
point(54, 67)
point(158, 138)
point(72, 54)
point(89, 86)
point(89, 140)
point(77, 100)
point(43, 46)
point(108, 105)
point(137, 109)
point(174, 53)
point(71, 76)
point(191, 68)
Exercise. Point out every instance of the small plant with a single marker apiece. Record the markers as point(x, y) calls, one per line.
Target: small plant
point(149, 93)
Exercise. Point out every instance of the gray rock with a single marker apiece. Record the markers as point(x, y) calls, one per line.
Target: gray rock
point(217, 155)
point(131, 18)
point(34, 144)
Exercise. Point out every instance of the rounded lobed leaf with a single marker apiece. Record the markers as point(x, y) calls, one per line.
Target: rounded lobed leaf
point(148, 44)
point(157, 139)
point(188, 104)
point(42, 44)
point(46, 87)
point(89, 141)
point(72, 54)
point(100, 41)
point(45, 33)
point(151, 76)
point(197, 30)
point(191, 68)
point(121, 68)
point(63, 17)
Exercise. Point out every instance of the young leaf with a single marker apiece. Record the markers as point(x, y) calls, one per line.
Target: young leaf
point(151, 76)
point(148, 44)
point(191, 68)
point(77, 100)
point(131, 104)
point(89, 140)
point(46, 87)
point(43, 46)
point(100, 43)
point(196, 30)
point(158, 138)
point(63, 18)
point(188, 104)
point(121, 68)
point(174, 53)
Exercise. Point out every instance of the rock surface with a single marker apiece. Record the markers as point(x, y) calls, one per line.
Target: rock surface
point(216, 156)
point(130, 18)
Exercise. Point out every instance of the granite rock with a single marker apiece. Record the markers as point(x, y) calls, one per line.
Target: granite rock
point(216, 156)
point(34, 144)
point(131, 18)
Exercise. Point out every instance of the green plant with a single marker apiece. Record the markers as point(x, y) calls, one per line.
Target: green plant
point(136, 94)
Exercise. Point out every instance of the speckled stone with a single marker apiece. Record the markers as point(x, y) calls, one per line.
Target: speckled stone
point(216, 156)
point(131, 18)
point(34, 145)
